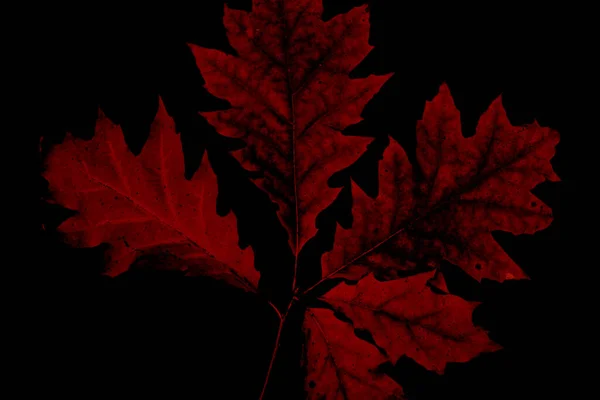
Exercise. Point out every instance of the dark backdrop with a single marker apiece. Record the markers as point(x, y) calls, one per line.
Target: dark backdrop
point(161, 334)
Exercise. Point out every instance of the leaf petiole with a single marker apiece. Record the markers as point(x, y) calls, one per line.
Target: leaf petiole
point(282, 319)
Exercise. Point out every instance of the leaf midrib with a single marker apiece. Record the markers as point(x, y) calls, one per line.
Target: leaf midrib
point(144, 209)
point(478, 179)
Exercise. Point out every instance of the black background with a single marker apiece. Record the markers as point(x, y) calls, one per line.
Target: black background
point(164, 335)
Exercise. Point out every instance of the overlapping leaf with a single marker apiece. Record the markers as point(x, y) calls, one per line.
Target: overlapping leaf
point(405, 317)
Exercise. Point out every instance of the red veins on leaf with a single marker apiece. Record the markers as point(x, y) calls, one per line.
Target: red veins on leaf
point(447, 206)
point(144, 206)
point(291, 97)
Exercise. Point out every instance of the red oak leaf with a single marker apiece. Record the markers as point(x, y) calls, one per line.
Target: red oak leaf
point(144, 205)
point(340, 365)
point(406, 317)
point(292, 97)
point(448, 205)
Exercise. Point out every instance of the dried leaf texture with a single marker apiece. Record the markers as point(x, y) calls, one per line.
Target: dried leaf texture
point(291, 97)
point(447, 206)
point(143, 206)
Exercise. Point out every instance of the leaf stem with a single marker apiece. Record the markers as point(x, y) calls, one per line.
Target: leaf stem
point(276, 311)
point(401, 229)
point(328, 276)
point(282, 319)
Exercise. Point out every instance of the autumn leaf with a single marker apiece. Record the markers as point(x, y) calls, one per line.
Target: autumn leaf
point(143, 206)
point(291, 97)
point(407, 318)
point(447, 206)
